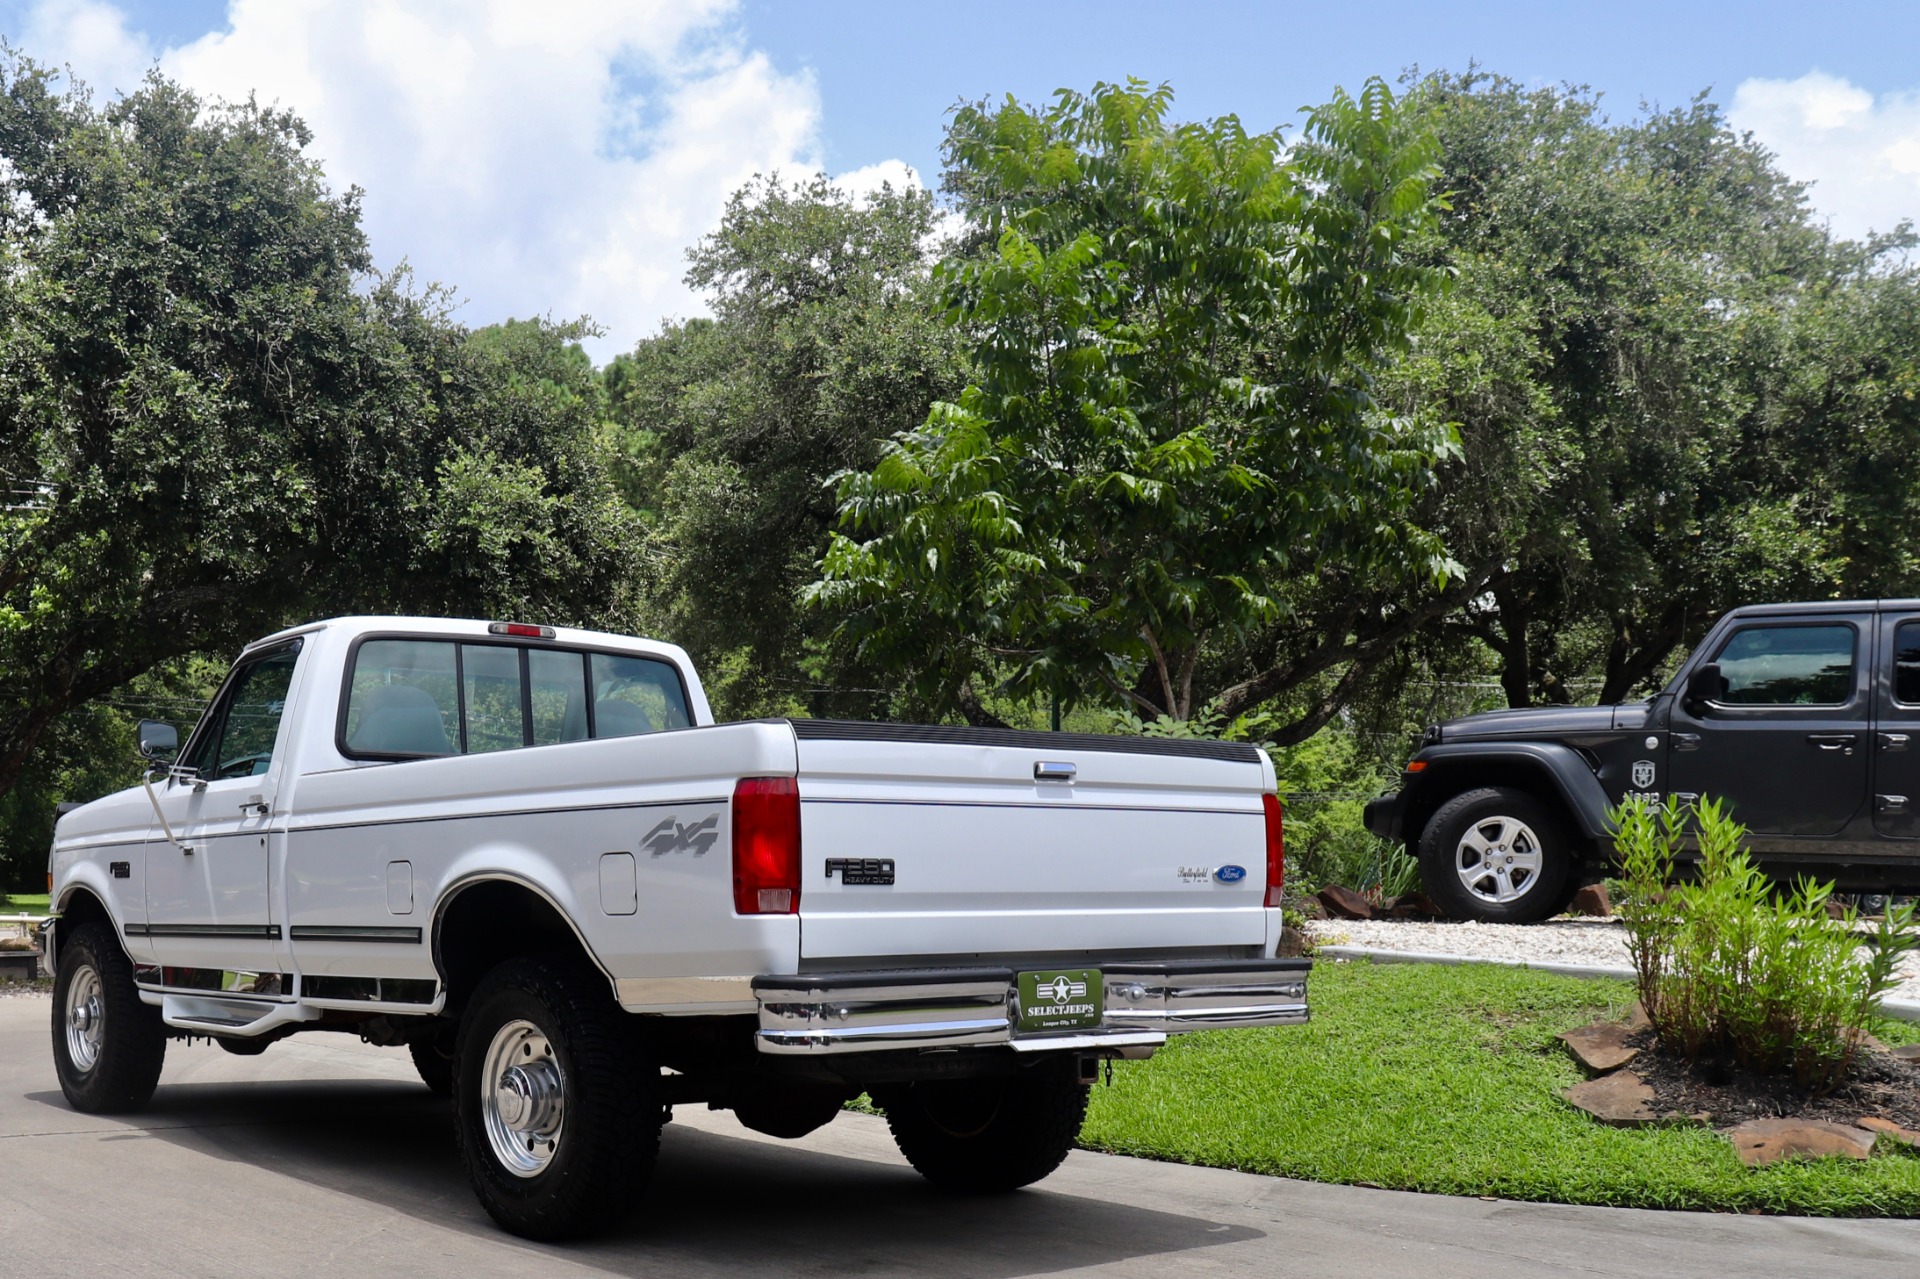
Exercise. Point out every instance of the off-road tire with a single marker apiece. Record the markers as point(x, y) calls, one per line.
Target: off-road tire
point(1544, 895)
point(610, 1135)
point(433, 1058)
point(980, 1136)
point(133, 1039)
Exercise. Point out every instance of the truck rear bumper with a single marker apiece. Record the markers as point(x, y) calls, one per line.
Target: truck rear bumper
point(821, 1013)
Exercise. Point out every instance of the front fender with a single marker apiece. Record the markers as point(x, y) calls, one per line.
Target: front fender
point(1450, 768)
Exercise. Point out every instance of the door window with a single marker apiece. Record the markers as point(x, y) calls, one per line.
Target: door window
point(238, 737)
point(1788, 666)
point(1906, 663)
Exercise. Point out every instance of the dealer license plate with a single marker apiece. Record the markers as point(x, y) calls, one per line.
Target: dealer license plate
point(1070, 999)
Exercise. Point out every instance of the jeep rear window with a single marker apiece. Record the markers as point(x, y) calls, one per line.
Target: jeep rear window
point(1906, 663)
point(1788, 666)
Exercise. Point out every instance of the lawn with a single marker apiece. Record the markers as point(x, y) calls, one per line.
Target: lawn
point(1447, 1079)
point(23, 903)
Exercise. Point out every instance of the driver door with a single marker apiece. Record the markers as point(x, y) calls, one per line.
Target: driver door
point(208, 904)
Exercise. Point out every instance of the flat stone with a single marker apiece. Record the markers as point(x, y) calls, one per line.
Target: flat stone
point(1637, 1019)
point(1591, 900)
point(1759, 1142)
point(1906, 1136)
point(1344, 903)
point(1621, 1099)
point(1906, 1052)
point(1602, 1046)
point(1413, 905)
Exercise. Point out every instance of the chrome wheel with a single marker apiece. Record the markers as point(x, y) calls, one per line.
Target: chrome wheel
point(1498, 859)
point(86, 1020)
point(522, 1098)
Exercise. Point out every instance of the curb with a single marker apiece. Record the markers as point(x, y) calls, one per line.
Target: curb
point(1899, 1009)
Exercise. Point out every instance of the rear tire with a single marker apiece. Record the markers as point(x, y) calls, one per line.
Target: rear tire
point(433, 1058)
point(981, 1136)
point(1499, 856)
point(557, 1115)
point(108, 1047)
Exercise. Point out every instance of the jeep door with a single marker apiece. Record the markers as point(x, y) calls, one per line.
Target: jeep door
point(1785, 741)
point(1896, 736)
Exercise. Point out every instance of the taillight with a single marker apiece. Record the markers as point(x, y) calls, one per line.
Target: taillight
point(1276, 849)
point(766, 846)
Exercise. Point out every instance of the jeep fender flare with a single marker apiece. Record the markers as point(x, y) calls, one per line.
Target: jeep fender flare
point(1551, 770)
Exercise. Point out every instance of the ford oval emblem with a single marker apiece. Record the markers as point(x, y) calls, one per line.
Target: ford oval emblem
point(1230, 874)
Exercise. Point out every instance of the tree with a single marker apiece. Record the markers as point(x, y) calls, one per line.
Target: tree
point(1170, 468)
point(825, 341)
point(216, 419)
point(1650, 365)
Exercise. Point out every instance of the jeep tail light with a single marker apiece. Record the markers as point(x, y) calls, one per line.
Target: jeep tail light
point(766, 846)
point(1276, 849)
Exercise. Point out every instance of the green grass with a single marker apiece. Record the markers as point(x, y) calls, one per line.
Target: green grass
point(23, 903)
point(1447, 1080)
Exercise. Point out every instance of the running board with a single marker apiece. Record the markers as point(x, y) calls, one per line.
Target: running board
point(244, 1018)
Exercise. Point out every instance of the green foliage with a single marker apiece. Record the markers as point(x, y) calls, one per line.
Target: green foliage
point(1175, 329)
point(825, 341)
point(1446, 1080)
point(225, 421)
point(1730, 967)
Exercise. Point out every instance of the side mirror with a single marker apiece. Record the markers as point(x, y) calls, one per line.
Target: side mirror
point(159, 743)
point(1705, 684)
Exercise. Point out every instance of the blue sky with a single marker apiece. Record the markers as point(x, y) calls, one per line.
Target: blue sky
point(560, 155)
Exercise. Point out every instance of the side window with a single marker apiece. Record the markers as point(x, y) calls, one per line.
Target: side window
point(403, 699)
point(636, 695)
point(238, 738)
point(1788, 666)
point(1906, 663)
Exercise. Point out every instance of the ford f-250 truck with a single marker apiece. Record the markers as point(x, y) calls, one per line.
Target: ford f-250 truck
point(1804, 718)
point(530, 856)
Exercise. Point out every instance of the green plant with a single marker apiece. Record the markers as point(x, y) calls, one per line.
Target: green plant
point(1730, 965)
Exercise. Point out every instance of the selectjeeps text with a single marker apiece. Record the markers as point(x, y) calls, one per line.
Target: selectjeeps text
point(531, 857)
point(1803, 718)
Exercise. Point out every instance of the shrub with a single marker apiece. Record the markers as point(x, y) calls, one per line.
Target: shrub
point(1732, 966)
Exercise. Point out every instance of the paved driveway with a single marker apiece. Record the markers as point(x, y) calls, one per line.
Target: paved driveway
point(325, 1156)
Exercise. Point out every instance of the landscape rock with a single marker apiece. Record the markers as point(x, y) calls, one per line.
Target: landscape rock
point(1621, 1099)
point(1344, 903)
point(1602, 1046)
point(1591, 900)
point(1413, 905)
point(1637, 1019)
point(16, 943)
point(1906, 1052)
point(1759, 1142)
point(1905, 1136)
point(1309, 907)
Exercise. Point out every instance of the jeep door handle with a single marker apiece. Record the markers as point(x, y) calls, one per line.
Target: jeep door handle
point(1842, 742)
point(1891, 742)
point(1686, 741)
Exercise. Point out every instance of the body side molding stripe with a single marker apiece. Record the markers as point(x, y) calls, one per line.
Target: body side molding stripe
point(348, 932)
point(270, 932)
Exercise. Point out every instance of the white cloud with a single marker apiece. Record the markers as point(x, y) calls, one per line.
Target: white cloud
point(553, 157)
point(1861, 153)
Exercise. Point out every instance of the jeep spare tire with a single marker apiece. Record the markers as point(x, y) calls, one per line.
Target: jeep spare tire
point(1496, 855)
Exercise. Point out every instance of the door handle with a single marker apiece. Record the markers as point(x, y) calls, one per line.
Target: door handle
point(1685, 741)
point(1890, 803)
point(1842, 742)
point(1891, 742)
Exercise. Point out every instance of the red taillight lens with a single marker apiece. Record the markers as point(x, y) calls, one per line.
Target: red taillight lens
point(1276, 848)
point(766, 846)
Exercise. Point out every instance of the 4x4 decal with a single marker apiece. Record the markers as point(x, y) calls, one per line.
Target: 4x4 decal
point(672, 837)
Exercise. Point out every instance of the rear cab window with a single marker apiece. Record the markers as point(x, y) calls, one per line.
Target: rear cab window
point(421, 698)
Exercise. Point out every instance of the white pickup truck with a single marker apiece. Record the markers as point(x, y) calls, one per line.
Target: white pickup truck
point(529, 855)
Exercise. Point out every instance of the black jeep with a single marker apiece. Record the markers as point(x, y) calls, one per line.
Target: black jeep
point(1803, 718)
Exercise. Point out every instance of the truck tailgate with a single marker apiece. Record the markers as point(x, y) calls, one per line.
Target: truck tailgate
point(990, 850)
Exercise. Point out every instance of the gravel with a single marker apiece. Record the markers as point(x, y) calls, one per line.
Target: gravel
point(1599, 942)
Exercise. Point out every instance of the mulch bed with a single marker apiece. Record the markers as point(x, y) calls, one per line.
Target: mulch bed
point(1879, 1084)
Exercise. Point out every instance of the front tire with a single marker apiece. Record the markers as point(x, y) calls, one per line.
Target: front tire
point(982, 1136)
point(1497, 855)
point(558, 1120)
point(108, 1047)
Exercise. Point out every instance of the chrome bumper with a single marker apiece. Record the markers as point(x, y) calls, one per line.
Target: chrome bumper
point(818, 1013)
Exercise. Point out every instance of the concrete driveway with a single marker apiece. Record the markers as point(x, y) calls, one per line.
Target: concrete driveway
point(325, 1156)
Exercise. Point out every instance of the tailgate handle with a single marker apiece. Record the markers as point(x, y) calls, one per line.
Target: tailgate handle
point(1047, 771)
